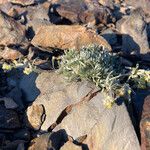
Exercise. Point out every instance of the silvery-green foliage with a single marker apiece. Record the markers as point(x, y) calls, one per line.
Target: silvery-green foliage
point(93, 63)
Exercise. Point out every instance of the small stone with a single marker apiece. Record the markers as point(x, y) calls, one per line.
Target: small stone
point(9, 103)
point(34, 116)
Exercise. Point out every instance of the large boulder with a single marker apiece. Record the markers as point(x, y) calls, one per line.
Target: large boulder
point(66, 37)
point(134, 35)
point(77, 108)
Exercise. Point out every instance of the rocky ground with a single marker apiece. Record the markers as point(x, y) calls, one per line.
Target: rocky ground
point(41, 110)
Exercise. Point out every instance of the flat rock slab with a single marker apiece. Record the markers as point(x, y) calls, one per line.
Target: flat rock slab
point(66, 37)
point(70, 107)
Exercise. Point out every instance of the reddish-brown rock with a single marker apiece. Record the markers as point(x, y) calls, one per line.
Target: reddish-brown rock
point(11, 32)
point(145, 125)
point(66, 37)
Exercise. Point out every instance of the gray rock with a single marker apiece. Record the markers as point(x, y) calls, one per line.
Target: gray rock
point(9, 119)
point(105, 128)
point(134, 35)
point(55, 95)
point(12, 32)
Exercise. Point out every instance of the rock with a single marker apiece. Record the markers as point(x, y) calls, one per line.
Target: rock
point(11, 31)
point(137, 3)
point(113, 132)
point(110, 36)
point(55, 96)
point(10, 54)
point(134, 38)
point(9, 119)
point(72, 107)
point(23, 2)
point(37, 17)
point(70, 146)
point(9, 103)
point(46, 141)
point(11, 10)
point(66, 37)
point(35, 116)
point(85, 11)
point(145, 125)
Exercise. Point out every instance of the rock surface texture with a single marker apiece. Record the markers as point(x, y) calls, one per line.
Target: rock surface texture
point(66, 37)
point(77, 110)
point(134, 35)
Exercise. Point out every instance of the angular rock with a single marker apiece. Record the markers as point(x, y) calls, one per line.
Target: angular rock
point(35, 116)
point(10, 54)
point(23, 2)
point(67, 110)
point(137, 3)
point(9, 103)
point(85, 11)
point(113, 132)
point(66, 37)
point(12, 32)
point(145, 125)
point(70, 146)
point(55, 96)
point(47, 141)
point(37, 17)
point(9, 119)
point(134, 36)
